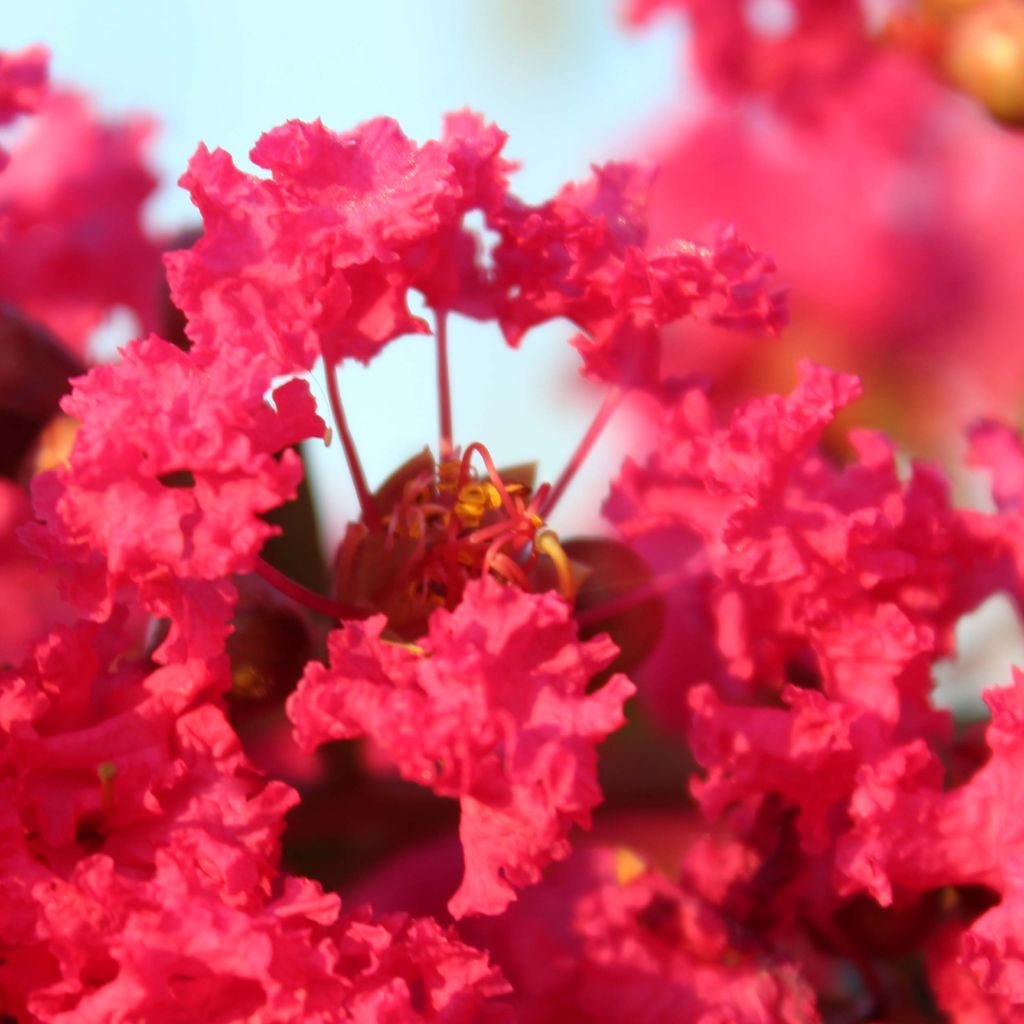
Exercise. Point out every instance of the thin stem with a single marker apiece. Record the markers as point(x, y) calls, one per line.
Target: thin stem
point(371, 514)
point(444, 391)
point(611, 402)
point(304, 596)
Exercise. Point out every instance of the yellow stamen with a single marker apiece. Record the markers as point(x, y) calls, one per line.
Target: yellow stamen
point(107, 772)
point(448, 473)
point(248, 681)
point(55, 441)
point(628, 865)
point(411, 648)
point(547, 543)
point(474, 501)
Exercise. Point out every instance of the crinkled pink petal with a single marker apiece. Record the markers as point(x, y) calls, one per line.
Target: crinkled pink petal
point(491, 709)
point(800, 64)
point(319, 259)
point(24, 77)
point(830, 590)
point(74, 247)
point(579, 256)
point(174, 463)
point(158, 948)
point(315, 260)
point(957, 990)
point(620, 943)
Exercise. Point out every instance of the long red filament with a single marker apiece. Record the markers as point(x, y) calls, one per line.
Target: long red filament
point(611, 402)
point(371, 514)
point(304, 596)
point(444, 392)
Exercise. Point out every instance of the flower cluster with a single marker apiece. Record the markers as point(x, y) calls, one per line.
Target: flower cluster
point(179, 794)
point(888, 199)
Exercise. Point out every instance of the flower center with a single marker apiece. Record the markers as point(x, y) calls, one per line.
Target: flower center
point(443, 524)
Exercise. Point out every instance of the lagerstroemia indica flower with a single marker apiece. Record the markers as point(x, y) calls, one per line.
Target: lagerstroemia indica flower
point(74, 247)
point(855, 96)
point(126, 777)
point(23, 78)
point(807, 595)
point(490, 707)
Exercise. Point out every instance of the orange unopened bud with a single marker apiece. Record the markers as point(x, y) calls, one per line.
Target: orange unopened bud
point(984, 56)
point(629, 865)
point(106, 772)
point(947, 10)
point(54, 443)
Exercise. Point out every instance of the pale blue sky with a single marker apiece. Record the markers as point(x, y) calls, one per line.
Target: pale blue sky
point(560, 76)
point(567, 83)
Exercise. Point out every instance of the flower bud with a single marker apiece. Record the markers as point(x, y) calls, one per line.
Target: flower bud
point(984, 56)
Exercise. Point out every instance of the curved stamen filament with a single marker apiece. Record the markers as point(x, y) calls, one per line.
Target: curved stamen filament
point(546, 543)
point(492, 473)
point(537, 501)
point(498, 561)
point(489, 532)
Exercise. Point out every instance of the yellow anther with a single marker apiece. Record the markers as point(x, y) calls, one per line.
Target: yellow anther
point(448, 473)
point(547, 543)
point(628, 865)
point(106, 772)
point(474, 501)
point(249, 682)
point(55, 441)
point(411, 648)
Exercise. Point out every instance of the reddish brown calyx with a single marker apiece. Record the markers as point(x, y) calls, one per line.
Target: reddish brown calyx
point(444, 524)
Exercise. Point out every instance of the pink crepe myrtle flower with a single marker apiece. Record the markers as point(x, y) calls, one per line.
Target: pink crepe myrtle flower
point(72, 244)
point(800, 56)
point(182, 909)
point(491, 708)
point(831, 591)
point(607, 936)
point(172, 464)
point(23, 82)
point(109, 946)
point(807, 590)
point(914, 298)
point(319, 259)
